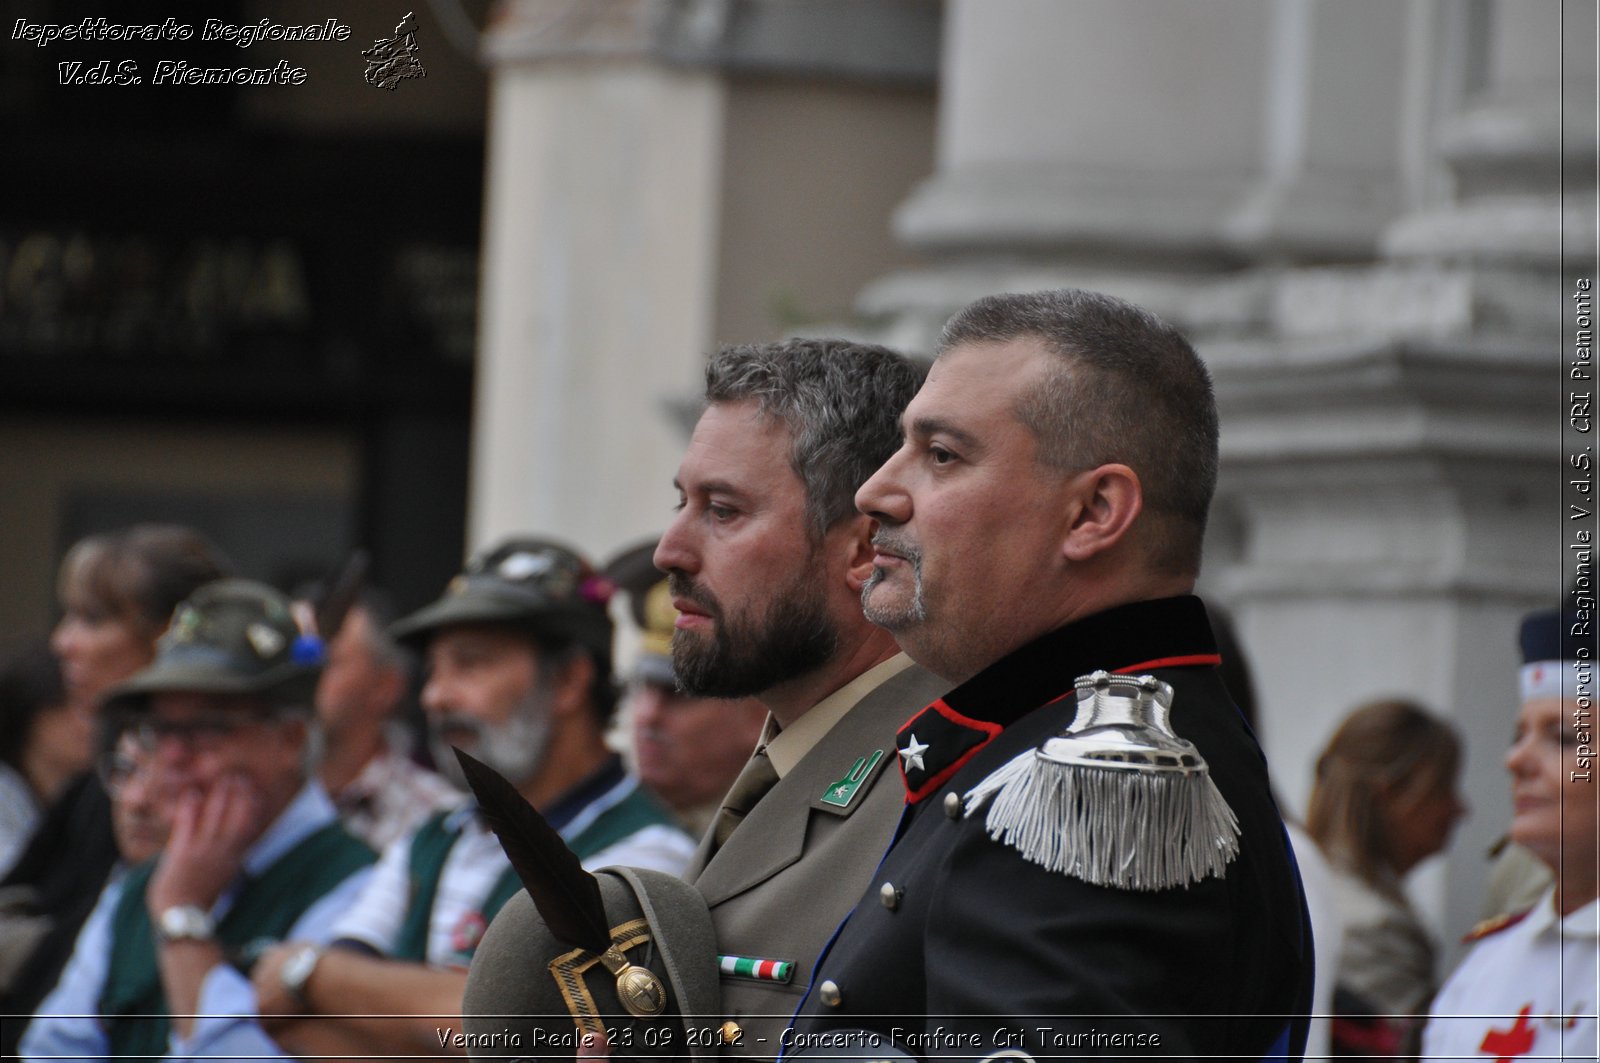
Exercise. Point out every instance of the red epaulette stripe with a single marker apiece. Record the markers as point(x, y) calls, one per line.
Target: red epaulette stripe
point(1190, 661)
point(939, 706)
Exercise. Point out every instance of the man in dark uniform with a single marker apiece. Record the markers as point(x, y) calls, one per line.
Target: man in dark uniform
point(1072, 876)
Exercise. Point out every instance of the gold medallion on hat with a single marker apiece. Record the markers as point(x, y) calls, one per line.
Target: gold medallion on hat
point(641, 992)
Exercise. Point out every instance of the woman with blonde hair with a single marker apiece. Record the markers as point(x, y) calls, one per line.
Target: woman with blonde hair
point(1384, 800)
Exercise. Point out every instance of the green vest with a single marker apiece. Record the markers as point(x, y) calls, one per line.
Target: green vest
point(431, 846)
point(133, 1002)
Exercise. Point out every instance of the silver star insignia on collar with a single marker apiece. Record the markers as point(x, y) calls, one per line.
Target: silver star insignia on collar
point(911, 755)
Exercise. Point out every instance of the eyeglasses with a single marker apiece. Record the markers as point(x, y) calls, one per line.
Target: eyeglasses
point(203, 732)
point(118, 770)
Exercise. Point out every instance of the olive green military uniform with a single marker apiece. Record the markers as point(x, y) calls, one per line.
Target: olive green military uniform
point(790, 872)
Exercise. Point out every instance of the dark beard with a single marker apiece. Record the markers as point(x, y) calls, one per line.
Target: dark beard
point(745, 657)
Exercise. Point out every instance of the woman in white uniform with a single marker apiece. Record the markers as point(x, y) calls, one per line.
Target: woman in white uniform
point(1529, 987)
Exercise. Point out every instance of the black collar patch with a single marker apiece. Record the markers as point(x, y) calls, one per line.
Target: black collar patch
point(935, 743)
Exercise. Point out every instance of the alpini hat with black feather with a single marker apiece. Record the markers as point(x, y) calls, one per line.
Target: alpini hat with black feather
point(623, 955)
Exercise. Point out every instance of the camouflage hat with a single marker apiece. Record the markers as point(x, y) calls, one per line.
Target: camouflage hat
point(231, 636)
point(650, 605)
point(529, 994)
point(539, 587)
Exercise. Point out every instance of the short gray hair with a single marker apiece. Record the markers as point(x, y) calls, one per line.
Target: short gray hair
point(841, 402)
point(1128, 389)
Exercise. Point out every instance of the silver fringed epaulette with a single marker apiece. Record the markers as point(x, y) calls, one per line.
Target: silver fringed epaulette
point(1117, 799)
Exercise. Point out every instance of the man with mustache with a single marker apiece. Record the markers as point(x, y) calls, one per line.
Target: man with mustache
point(519, 675)
point(1091, 861)
point(686, 750)
point(765, 560)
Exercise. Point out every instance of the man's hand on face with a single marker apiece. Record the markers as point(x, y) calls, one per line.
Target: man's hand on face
point(211, 830)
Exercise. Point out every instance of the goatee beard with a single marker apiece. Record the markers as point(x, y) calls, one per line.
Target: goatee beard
point(913, 611)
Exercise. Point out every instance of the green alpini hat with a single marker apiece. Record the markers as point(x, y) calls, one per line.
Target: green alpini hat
point(232, 636)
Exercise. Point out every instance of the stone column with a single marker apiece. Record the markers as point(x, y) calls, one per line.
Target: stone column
point(1061, 123)
point(1393, 440)
point(660, 172)
point(598, 268)
point(1163, 151)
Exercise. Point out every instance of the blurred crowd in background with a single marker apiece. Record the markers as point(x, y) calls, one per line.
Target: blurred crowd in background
point(90, 792)
point(93, 781)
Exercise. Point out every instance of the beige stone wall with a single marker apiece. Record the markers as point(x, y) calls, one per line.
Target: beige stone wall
point(663, 179)
point(812, 173)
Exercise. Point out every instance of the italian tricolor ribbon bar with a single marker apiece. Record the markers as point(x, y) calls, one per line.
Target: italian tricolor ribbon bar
point(750, 967)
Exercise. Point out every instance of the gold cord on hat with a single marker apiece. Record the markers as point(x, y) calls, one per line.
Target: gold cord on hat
point(640, 990)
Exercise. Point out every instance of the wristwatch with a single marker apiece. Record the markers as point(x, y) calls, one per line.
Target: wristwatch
point(185, 922)
point(296, 971)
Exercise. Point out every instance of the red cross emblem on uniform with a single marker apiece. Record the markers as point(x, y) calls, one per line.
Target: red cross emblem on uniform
point(1506, 1045)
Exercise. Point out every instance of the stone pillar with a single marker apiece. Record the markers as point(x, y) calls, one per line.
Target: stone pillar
point(1162, 151)
point(637, 149)
point(1253, 125)
point(1061, 123)
point(1393, 440)
point(598, 269)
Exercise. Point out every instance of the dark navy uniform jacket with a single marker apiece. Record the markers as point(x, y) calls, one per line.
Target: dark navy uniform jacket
point(962, 948)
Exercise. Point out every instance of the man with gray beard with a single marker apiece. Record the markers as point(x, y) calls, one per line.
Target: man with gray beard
point(766, 560)
point(519, 676)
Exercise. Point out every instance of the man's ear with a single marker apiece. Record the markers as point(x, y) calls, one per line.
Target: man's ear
point(856, 535)
point(388, 688)
point(571, 683)
point(1105, 503)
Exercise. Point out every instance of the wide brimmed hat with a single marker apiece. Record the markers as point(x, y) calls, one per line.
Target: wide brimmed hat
point(232, 636)
point(536, 586)
point(531, 994)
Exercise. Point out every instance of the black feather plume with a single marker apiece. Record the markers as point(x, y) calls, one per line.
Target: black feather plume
point(567, 896)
